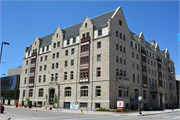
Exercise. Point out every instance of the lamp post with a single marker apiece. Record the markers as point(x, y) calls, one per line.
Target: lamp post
point(171, 92)
point(0, 64)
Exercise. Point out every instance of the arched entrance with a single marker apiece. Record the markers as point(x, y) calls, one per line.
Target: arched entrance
point(51, 96)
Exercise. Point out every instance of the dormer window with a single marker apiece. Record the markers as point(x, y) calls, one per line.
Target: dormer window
point(68, 42)
point(85, 25)
point(99, 32)
point(57, 36)
point(74, 40)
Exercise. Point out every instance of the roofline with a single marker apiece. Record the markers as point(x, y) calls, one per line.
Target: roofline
point(46, 35)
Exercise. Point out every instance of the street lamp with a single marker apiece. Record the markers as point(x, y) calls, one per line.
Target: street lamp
point(0, 63)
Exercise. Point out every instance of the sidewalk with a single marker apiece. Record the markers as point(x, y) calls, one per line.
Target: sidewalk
point(144, 113)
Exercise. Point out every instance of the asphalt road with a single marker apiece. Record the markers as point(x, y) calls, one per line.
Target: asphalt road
point(25, 114)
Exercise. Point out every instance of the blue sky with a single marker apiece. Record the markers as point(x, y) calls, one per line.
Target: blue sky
point(22, 21)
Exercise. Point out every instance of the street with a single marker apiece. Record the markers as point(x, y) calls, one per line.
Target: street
point(26, 114)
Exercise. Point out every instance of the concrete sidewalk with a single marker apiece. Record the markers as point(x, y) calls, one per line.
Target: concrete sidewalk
point(144, 113)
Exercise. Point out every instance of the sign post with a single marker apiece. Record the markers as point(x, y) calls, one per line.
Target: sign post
point(120, 105)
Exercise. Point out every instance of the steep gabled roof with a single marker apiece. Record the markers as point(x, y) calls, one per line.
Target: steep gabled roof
point(163, 52)
point(134, 36)
point(74, 30)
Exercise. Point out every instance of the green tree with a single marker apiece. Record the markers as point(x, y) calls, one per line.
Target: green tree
point(55, 99)
point(27, 99)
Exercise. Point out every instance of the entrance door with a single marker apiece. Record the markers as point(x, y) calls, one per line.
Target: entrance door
point(161, 103)
point(67, 105)
point(51, 96)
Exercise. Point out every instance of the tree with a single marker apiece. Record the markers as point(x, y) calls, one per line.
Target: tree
point(27, 99)
point(55, 99)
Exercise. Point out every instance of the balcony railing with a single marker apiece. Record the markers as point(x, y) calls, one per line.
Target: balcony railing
point(85, 39)
point(34, 54)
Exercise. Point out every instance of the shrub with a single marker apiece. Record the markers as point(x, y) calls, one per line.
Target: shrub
point(112, 107)
point(138, 109)
point(116, 110)
point(102, 109)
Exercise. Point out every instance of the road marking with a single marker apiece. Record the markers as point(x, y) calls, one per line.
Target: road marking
point(92, 118)
point(176, 117)
point(40, 118)
point(166, 117)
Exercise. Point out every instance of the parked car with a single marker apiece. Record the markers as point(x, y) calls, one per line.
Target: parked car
point(2, 108)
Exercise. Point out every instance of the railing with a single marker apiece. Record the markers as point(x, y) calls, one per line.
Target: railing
point(143, 51)
point(34, 54)
point(85, 39)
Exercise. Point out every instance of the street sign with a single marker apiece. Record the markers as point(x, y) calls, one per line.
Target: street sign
point(120, 103)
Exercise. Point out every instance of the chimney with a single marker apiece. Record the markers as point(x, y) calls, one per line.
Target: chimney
point(152, 42)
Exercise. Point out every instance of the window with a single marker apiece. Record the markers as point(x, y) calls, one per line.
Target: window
point(153, 97)
point(25, 71)
point(117, 59)
point(56, 35)
point(52, 77)
point(39, 79)
point(137, 66)
point(124, 61)
point(68, 92)
point(151, 62)
point(120, 35)
point(41, 59)
point(138, 78)
point(68, 42)
point(131, 43)
point(126, 92)
point(45, 57)
point(72, 51)
point(66, 63)
point(144, 94)
point(30, 92)
point(117, 72)
point(99, 57)
point(98, 72)
point(44, 79)
point(166, 96)
point(32, 70)
point(23, 93)
point(57, 65)
point(135, 46)
point(116, 46)
point(56, 77)
point(98, 45)
point(154, 64)
point(66, 53)
point(132, 54)
point(72, 75)
point(133, 65)
point(57, 55)
point(149, 81)
point(124, 73)
point(87, 34)
point(124, 37)
point(65, 75)
point(53, 66)
point(85, 25)
point(58, 44)
point(98, 90)
point(137, 56)
point(120, 92)
point(152, 72)
point(121, 60)
point(100, 32)
point(148, 61)
point(53, 55)
point(41, 91)
point(72, 62)
point(47, 48)
point(74, 40)
point(136, 93)
point(155, 74)
point(84, 91)
point(24, 80)
point(83, 35)
point(40, 68)
point(121, 74)
point(120, 22)
point(124, 50)
point(26, 62)
point(54, 45)
point(42, 49)
point(83, 105)
point(117, 33)
point(97, 105)
point(133, 77)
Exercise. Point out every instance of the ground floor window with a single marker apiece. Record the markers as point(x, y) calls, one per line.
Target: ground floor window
point(97, 105)
point(41, 91)
point(84, 91)
point(30, 92)
point(83, 105)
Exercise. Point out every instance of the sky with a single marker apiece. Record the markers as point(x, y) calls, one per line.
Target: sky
point(22, 21)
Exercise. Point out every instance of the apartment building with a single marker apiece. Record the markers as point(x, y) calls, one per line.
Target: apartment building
point(96, 63)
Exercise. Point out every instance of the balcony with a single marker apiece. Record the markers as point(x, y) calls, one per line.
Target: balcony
point(143, 51)
point(86, 39)
point(34, 54)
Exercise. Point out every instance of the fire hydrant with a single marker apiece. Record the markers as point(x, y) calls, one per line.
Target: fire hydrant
point(81, 110)
point(19, 105)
